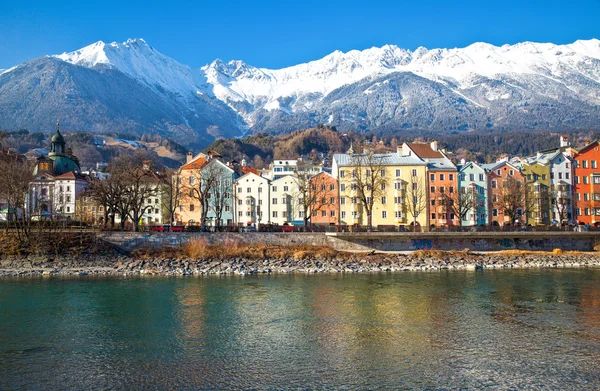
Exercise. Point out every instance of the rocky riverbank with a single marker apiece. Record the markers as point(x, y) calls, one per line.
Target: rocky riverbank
point(123, 265)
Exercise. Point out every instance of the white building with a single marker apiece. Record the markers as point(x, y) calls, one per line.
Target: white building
point(67, 188)
point(285, 201)
point(252, 195)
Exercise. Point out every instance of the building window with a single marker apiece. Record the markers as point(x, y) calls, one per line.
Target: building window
point(382, 172)
point(332, 213)
point(480, 177)
point(323, 213)
point(343, 215)
point(191, 207)
point(433, 216)
point(593, 164)
point(342, 200)
point(384, 214)
point(398, 214)
point(494, 184)
point(342, 174)
point(383, 200)
point(274, 213)
point(398, 186)
point(472, 177)
point(432, 189)
point(495, 212)
point(284, 200)
point(274, 201)
point(397, 173)
point(414, 172)
point(584, 163)
point(441, 177)
point(432, 177)
point(342, 187)
point(585, 180)
point(274, 188)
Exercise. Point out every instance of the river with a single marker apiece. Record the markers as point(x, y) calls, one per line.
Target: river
point(503, 329)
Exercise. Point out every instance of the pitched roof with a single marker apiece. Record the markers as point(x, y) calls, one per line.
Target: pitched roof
point(195, 164)
point(424, 151)
point(387, 159)
point(247, 170)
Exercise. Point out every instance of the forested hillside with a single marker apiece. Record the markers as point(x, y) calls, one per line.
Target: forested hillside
point(324, 141)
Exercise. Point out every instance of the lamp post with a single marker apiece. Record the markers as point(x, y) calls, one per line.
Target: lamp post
point(258, 208)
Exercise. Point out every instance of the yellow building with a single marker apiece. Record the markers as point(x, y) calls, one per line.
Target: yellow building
point(389, 187)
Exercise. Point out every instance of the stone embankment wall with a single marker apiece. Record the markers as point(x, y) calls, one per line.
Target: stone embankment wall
point(497, 241)
point(476, 241)
point(129, 241)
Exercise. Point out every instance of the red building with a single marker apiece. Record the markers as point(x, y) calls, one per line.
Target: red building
point(587, 184)
point(324, 206)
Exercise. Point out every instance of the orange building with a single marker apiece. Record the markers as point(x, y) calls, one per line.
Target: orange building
point(324, 196)
point(507, 193)
point(587, 184)
point(442, 183)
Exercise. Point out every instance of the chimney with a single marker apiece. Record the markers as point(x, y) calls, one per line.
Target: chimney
point(244, 163)
point(403, 150)
point(189, 157)
point(463, 161)
point(564, 141)
point(434, 145)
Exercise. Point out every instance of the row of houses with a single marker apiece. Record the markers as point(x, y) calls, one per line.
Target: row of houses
point(419, 185)
point(416, 185)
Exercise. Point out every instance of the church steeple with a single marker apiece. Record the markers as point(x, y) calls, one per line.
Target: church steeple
point(58, 142)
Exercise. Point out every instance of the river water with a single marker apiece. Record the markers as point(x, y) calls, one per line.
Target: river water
point(523, 329)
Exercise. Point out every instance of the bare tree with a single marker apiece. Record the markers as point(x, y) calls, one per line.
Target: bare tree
point(108, 194)
point(171, 192)
point(511, 201)
point(321, 195)
point(199, 186)
point(560, 199)
point(17, 173)
point(367, 181)
point(136, 181)
point(220, 199)
point(466, 201)
point(415, 198)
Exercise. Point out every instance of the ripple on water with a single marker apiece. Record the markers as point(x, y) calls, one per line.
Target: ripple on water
point(465, 330)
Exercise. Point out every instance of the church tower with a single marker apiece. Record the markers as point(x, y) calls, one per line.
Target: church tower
point(58, 143)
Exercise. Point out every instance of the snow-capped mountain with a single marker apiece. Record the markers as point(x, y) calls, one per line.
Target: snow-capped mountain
point(133, 87)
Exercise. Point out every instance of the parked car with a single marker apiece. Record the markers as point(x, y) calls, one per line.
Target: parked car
point(287, 228)
point(177, 228)
point(157, 228)
point(249, 228)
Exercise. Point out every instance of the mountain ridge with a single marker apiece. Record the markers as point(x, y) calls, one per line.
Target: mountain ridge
point(382, 89)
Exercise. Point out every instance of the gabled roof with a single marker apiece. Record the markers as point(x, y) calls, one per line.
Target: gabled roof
point(250, 174)
point(424, 151)
point(469, 164)
point(593, 144)
point(248, 170)
point(195, 164)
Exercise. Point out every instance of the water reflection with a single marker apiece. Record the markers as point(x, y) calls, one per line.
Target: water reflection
point(495, 329)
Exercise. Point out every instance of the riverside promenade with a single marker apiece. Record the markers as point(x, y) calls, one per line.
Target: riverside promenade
point(369, 241)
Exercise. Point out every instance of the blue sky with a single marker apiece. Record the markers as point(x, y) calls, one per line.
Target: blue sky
point(275, 34)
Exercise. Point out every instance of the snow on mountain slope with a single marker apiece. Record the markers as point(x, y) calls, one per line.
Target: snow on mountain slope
point(248, 89)
point(140, 61)
point(266, 88)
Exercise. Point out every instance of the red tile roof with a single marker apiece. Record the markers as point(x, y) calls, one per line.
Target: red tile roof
point(194, 164)
point(424, 151)
point(246, 170)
